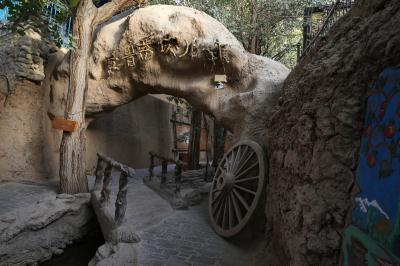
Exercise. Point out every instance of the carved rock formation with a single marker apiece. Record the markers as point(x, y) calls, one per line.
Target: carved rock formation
point(178, 51)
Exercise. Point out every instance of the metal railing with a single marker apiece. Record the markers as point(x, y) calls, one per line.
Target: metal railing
point(336, 11)
point(311, 36)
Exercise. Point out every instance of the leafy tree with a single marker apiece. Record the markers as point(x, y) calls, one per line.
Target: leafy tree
point(265, 27)
point(39, 16)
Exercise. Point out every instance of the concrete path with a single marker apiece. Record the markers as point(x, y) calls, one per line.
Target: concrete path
point(178, 237)
point(186, 238)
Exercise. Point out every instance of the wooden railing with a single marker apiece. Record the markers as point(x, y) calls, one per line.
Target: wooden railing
point(103, 183)
point(164, 169)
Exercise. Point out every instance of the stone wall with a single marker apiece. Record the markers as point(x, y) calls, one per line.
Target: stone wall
point(313, 138)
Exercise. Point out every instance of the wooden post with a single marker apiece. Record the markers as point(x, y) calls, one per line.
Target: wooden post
point(101, 165)
point(86, 18)
point(178, 176)
point(174, 117)
point(298, 47)
point(206, 125)
point(105, 193)
point(194, 143)
point(164, 171)
point(151, 168)
point(219, 144)
point(121, 202)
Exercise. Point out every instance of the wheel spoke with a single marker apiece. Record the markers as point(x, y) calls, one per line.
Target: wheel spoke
point(238, 212)
point(241, 158)
point(229, 159)
point(221, 169)
point(245, 189)
point(226, 212)
point(246, 170)
point(217, 197)
point(217, 207)
point(246, 179)
point(236, 159)
point(216, 189)
point(244, 163)
point(220, 211)
point(241, 199)
point(230, 212)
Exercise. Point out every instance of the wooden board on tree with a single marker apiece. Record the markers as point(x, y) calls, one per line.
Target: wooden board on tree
point(64, 124)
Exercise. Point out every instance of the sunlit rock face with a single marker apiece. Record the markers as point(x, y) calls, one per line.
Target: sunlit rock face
point(22, 60)
point(179, 51)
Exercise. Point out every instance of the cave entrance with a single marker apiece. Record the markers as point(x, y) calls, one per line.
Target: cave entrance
point(81, 251)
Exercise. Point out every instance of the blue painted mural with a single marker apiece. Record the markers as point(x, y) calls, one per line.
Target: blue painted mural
point(374, 236)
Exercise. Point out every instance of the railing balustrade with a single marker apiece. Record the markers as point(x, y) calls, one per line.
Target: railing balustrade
point(337, 10)
point(164, 169)
point(103, 183)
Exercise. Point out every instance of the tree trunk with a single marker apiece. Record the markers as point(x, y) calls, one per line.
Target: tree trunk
point(206, 126)
point(72, 152)
point(254, 40)
point(194, 142)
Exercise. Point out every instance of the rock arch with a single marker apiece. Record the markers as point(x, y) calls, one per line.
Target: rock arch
point(178, 51)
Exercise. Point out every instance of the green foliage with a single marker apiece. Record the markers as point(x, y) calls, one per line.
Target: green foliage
point(39, 16)
point(74, 3)
point(186, 110)
point(271, 25)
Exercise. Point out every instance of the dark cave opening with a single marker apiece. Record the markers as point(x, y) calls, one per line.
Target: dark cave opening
point(81, 251)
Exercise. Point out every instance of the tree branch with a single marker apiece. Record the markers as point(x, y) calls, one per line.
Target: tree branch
point(112, 8)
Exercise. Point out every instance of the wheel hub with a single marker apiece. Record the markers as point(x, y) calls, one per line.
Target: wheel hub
point(226, 182)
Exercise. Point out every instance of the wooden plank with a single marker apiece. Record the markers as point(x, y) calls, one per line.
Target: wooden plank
point(64, 124)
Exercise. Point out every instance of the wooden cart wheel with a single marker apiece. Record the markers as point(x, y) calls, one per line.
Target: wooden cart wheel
point(236, 188)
